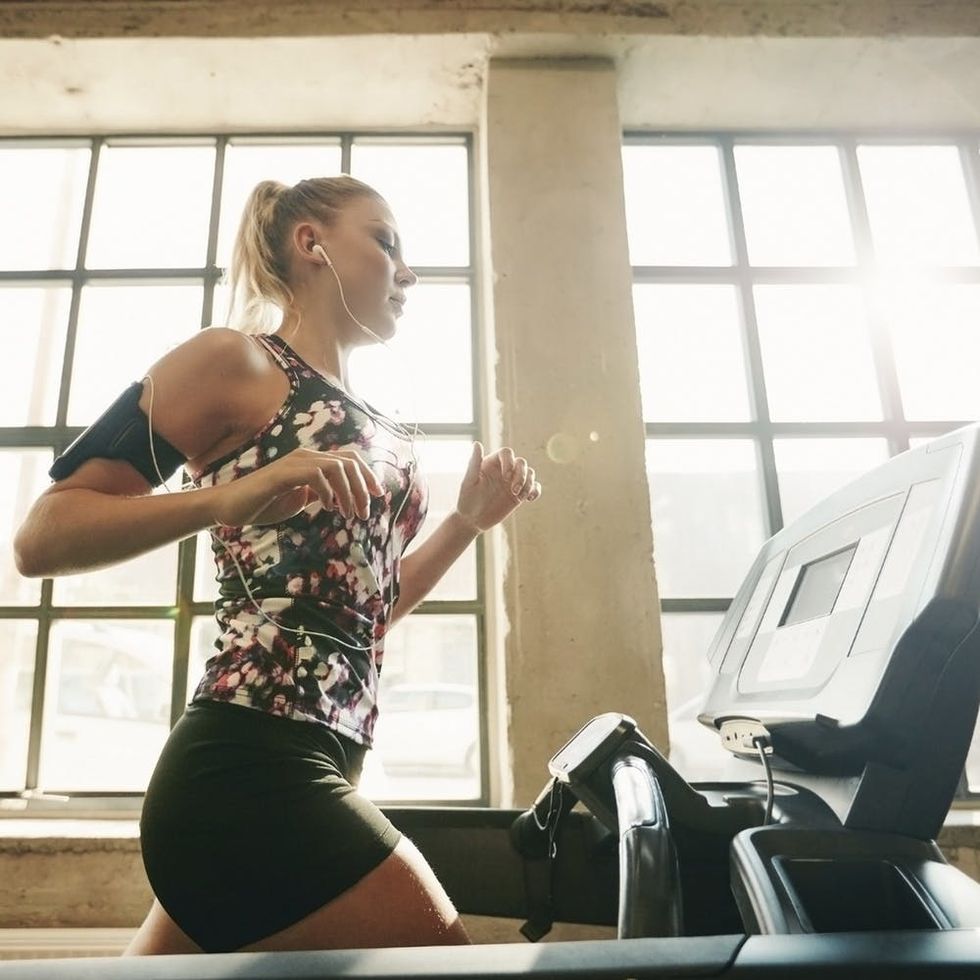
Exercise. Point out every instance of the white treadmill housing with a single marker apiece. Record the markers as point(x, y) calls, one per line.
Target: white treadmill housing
point(853, 640)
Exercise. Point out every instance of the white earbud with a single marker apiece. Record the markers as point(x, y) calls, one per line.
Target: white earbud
point(319, 249)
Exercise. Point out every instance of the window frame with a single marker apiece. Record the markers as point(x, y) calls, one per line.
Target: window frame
point(894, 427)
point(92, 804)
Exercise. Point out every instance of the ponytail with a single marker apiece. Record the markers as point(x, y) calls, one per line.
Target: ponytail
point(259, 272)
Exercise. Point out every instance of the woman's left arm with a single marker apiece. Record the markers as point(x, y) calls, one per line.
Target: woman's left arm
point(492, 487)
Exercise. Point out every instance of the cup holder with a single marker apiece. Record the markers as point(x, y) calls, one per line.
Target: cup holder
point(794, 880)
point(853, 896)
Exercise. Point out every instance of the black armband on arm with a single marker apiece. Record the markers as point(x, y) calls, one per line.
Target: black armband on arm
point(122, 431)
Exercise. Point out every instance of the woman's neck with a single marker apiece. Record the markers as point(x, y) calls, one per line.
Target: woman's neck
point(329, 359)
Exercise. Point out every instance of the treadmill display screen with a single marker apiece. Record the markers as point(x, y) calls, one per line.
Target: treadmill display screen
point(817, 587)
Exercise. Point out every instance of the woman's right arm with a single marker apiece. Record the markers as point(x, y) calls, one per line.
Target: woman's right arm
point(104, 513)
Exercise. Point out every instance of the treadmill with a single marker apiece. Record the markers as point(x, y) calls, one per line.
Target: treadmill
point(846, 680)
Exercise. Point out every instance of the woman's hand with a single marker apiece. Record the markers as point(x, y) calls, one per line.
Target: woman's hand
point(342, 480)
point(494, 486)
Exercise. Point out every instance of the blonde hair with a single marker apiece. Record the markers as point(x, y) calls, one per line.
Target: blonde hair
point(258, 275)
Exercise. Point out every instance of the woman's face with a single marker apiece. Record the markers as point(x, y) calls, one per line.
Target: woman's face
point(365, 249)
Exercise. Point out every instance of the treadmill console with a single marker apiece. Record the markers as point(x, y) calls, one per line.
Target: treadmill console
point(842, 640)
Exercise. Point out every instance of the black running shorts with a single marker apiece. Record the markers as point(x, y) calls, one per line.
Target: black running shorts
point(251, 822)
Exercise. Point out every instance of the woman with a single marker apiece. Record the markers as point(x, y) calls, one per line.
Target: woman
point(253, 834)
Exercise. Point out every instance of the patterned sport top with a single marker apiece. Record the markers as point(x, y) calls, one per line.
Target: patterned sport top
point(316, 571)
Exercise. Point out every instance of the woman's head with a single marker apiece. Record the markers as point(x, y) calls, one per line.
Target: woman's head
point(275, 271)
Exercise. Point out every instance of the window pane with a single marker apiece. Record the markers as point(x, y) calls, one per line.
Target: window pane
point(219, 305)
point(427, 189)
point(443, 462)
point(122, 331)
point(152, 207)
point(973, 762)
point(917, 205)
point(675, 206)
point(793, 205)
point(811, 469)
point(816, 351)
point(246, 164)
point(936, 341)
point(425, 372)
point(428, 752)
point(42, 192)
point(706, 499)
point(149, 580)
point(33, 375)
point(689, 341)
point(205, 580)
point(204, 632)
point(420, 752)
point(695, 751)
point(19, 639)
point(23, 477)
point(916, 441)
point(107, 708)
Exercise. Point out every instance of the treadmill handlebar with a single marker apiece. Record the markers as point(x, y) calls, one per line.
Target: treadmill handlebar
point(649, 875)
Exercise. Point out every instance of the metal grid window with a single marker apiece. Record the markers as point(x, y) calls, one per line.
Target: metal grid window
point(807, 306)
point(112, 251)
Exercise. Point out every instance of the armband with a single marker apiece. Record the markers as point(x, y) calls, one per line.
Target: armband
point(122, 431)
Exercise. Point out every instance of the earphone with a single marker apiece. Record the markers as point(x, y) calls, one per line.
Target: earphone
point(322, 252)
point(390, 426)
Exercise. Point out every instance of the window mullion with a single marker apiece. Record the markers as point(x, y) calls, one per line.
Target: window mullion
point(750, 337)
point(211, 278)
point(881, 346)
point(77, 280)
point(186, 562)
point(40, 683)
point(970, 161)
point(182, 615)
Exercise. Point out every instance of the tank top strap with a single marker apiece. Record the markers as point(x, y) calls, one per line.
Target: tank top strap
point(283, 355)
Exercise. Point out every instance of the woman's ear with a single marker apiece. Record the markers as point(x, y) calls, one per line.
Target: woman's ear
point(304, 237)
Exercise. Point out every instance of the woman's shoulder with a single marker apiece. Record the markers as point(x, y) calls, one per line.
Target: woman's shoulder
point(218, 364)
point(207, 387)
point(221, 347)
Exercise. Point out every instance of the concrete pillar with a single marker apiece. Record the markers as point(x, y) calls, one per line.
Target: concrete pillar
point(579, 592)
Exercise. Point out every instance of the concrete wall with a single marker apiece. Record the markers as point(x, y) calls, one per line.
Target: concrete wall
point(95, 880)
point(583, 614)
point(251, 18)
point(98, 882)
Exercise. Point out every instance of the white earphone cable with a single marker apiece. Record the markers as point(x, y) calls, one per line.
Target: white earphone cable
point(393, 428)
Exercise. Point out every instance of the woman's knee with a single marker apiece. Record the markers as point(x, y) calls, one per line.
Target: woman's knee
point(416, 886)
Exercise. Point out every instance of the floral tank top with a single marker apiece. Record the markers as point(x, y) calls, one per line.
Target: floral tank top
point(317, 572)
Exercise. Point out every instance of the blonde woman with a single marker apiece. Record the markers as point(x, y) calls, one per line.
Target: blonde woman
point(253, 834)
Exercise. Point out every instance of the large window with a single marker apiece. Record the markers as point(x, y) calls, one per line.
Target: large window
point(805, 309)
point(112, 251)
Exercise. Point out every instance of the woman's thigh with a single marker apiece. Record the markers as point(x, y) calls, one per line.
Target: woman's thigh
point(398, 903)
